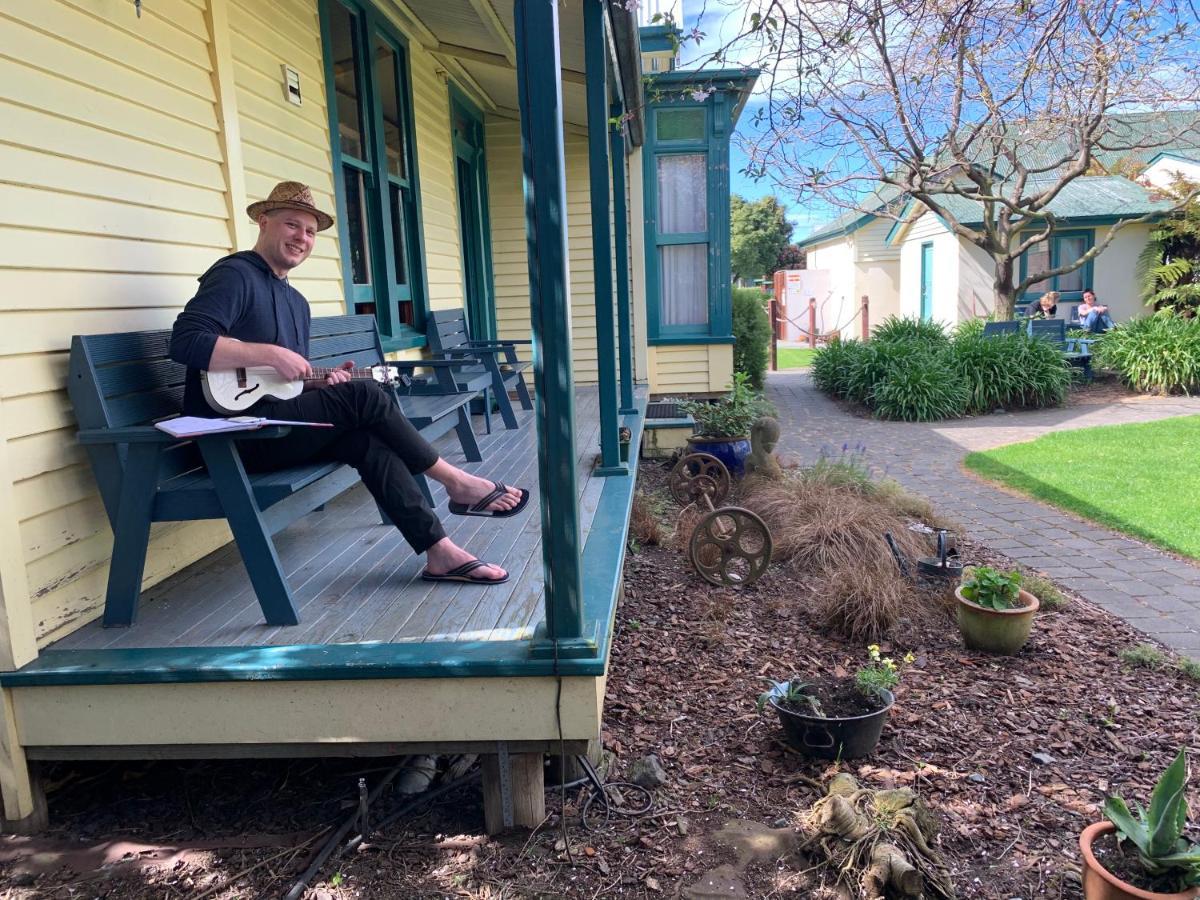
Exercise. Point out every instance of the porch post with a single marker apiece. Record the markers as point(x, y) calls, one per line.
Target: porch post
point(621, 239)
point(540, 91)
point(596, 67)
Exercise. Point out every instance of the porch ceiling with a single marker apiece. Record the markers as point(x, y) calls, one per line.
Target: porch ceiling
point(476, 38)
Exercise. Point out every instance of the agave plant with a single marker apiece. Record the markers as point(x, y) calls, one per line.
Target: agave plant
point(1158, 832)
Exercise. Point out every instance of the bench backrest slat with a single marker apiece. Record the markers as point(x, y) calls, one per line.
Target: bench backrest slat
point(447, 330)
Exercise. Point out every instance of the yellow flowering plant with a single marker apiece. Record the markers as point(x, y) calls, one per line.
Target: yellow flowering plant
point(880, 672)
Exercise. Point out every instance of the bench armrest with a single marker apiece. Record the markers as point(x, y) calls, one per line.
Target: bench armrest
point(498, 343)
point(434, 363)
point(148, 434)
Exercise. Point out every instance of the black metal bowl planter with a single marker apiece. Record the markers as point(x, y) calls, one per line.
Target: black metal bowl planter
point(833, 737)
point(730, 546)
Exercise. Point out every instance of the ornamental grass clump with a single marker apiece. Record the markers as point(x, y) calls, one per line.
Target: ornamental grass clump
point(1157, 354)
point(925, 332)
point(920, 387)
point(832, 365)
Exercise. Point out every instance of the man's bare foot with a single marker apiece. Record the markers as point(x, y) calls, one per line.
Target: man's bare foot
point(445, 555)
point(470, 489)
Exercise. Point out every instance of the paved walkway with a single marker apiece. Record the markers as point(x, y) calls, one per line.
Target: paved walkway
point(1154, 592)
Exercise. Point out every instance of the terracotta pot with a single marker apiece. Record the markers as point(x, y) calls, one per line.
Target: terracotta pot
point(996, 630)
point(1101, 884)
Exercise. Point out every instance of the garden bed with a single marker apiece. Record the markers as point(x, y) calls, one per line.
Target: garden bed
point(1014, 755)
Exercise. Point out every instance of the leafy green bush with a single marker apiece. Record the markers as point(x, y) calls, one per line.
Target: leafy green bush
point(1158, 353)
point(1008, 371)
point(992, 589)
point(919, 387)
point(752, 334)
point(732, 415)
point(832, 365)
point(968, 328)
point(922, 331)
point(872, 365)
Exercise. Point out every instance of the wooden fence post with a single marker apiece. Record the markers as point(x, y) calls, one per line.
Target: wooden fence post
point(774, 306)
point(866, 327)
point(812, 322)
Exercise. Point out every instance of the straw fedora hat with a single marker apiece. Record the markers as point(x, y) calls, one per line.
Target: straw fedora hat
point(290, 195)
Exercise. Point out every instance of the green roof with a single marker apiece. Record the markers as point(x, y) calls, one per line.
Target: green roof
point(854, 219)
point(1085, 198)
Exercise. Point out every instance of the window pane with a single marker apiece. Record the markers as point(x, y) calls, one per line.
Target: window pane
point(346, 80)
point(682, 197)
point(356, 225)
point(1069, 250)
point(389, 97)
point(683, 284)
point(1037, 259)
point(399, 239)
point(680, 124)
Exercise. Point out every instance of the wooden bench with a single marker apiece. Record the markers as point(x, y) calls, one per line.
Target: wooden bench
point(450, 338)
point(1055, 331)
point(121, 384)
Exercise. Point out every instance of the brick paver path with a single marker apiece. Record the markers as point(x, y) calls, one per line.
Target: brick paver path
point(1156, 593)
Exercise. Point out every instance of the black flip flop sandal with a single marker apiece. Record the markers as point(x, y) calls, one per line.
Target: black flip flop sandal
point(480, 508)
point(463, 574)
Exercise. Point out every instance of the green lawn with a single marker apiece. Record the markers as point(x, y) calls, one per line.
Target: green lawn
point(795, 357)
point(1138, 479)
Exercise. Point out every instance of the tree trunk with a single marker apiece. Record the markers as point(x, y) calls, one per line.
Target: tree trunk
point(1004, 290)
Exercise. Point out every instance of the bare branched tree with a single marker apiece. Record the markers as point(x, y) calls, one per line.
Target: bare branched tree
point(982, 112)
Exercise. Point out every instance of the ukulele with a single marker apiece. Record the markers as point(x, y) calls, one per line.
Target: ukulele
point(233, 391)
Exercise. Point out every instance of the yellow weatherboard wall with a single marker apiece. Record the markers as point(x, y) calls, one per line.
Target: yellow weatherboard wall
point(690, 368)
point(131, 148)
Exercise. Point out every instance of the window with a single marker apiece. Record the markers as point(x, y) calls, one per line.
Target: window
point(687, 223)
point(1061, 248)
point(379, 227)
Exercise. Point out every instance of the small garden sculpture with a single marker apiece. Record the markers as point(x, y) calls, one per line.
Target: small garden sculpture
point(730, 546)
point(764, 435)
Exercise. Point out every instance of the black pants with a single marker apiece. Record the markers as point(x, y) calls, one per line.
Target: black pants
point(369, 433)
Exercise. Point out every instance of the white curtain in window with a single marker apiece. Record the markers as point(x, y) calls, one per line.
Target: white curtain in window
point(683, 284)
point(1069, 250)
point(682, 194)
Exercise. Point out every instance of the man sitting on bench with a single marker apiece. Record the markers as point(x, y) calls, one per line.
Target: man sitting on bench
point(246, 313)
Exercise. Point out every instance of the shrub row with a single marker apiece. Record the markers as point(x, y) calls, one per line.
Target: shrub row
point(1158, 353)
point(915, 371)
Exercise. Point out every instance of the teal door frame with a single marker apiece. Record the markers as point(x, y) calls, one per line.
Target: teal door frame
point(927, 281)
point(474, 220)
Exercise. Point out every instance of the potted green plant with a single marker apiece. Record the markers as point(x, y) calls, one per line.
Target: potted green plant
point(837, 718)
point(994, 612)
point(723, 425)
point(1143, 856)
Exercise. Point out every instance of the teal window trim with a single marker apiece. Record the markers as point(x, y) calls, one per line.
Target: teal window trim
point(384, 290)
point(1089, 236)
point(460, 148)
point(715, 144)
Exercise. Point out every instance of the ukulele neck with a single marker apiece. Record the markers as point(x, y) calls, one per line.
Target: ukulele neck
point(320, 373)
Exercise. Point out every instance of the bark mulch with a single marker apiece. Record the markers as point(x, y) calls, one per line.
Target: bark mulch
point(1013, 755)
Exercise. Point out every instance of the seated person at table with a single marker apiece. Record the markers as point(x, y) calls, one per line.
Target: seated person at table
point(1045, 307)
point(247, 313)
point(1093, 316)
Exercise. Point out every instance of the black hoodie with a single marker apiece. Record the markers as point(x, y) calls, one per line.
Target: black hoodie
point(239, 297)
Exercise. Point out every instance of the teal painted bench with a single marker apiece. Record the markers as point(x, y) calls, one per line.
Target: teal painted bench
point(121, 384)
point(497, 367)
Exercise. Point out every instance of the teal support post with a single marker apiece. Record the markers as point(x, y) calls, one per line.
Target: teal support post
point(616, 146)
point(596, 65)
point(540, 97)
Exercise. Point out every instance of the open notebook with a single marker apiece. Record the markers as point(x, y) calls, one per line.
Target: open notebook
point(198, 426)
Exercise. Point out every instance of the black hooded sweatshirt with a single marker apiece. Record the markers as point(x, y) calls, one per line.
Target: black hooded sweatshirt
point(239, 297)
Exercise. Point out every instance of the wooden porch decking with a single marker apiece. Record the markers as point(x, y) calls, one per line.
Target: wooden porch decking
point(356, 581)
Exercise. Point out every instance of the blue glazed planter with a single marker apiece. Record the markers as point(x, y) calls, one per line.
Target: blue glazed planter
point(731, 451)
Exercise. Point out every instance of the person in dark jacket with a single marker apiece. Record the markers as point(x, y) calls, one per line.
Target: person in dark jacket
point(246, 313)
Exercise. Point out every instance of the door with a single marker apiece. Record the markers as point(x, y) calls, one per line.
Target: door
point(927, 281)
point(474, 229)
